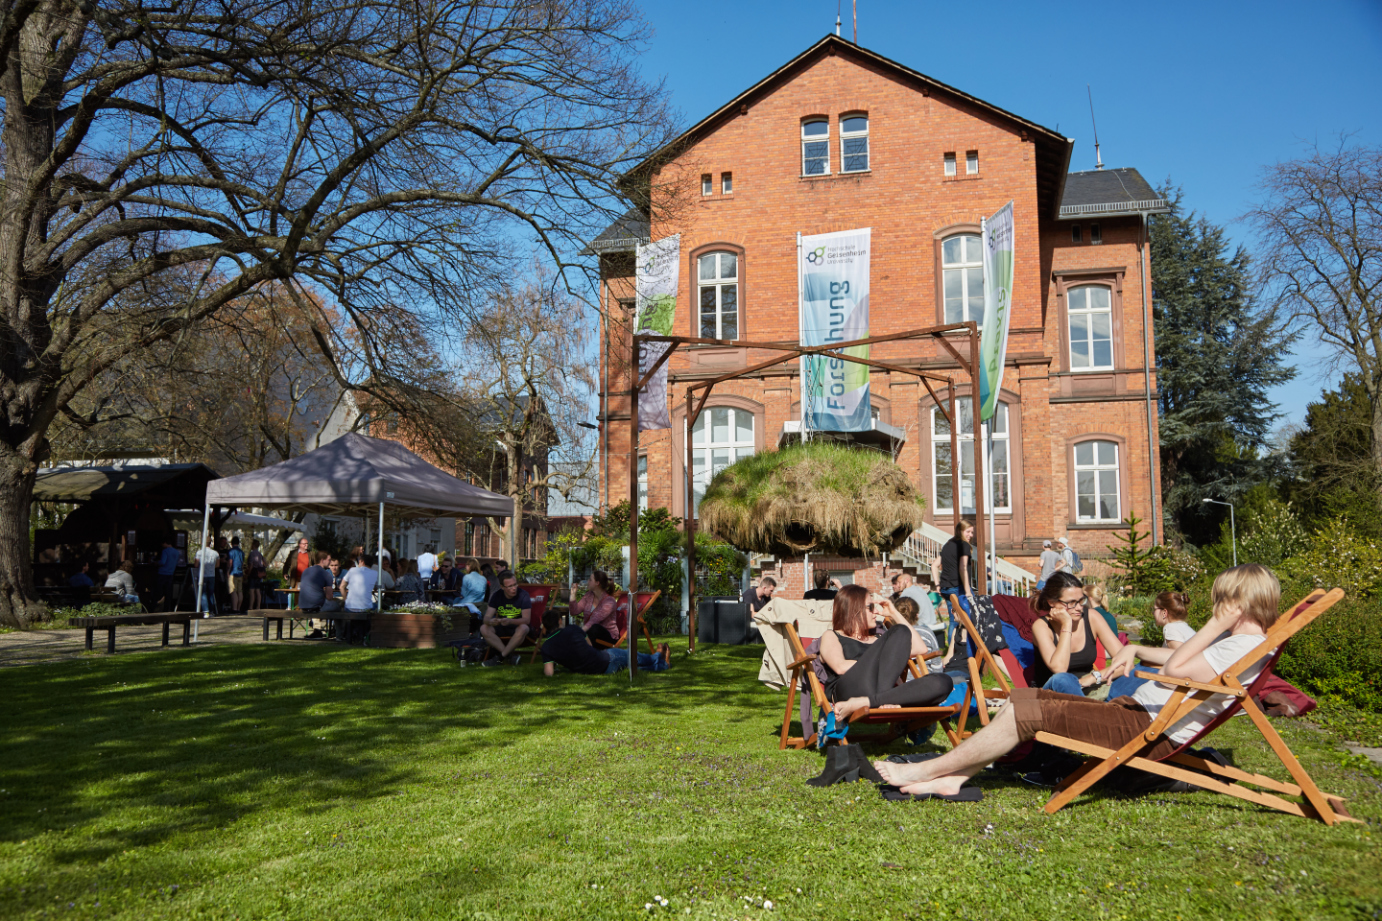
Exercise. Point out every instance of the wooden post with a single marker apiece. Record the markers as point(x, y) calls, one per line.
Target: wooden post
point(633, 502)
point(955, 504)
point(981, 586)
point(688, 508)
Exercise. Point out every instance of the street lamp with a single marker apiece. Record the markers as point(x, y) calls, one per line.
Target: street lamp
point(1232, 528)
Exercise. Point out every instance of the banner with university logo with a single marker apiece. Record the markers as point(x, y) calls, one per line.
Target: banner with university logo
point(655, 287)
point(998, 296)
point(833, 269)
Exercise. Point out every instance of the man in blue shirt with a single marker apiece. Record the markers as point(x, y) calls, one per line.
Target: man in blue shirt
point(235, 583)
point(168, 561)
point(81, 579)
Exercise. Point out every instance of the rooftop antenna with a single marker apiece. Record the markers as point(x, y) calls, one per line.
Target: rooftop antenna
point(855, 5)
point(837, 18)
point(1098, 160)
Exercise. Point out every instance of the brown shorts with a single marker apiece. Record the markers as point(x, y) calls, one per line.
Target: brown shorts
point(1111, 724)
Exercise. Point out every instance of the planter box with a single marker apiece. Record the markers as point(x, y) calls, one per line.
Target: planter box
point(415, 631)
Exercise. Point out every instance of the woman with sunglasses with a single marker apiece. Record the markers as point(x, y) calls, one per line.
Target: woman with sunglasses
point(1066, 640)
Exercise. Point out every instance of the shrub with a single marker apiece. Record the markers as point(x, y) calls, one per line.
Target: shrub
point(1338, 658)
point(1339, 556)
point(61, 617)
point(1139, 571)
point(1272, 535)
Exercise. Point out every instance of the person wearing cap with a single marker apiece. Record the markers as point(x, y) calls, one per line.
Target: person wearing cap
point(1051, 562)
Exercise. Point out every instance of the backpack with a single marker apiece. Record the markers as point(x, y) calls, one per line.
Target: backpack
point(1075, 564)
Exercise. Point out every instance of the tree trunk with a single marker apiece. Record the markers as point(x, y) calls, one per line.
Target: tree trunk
point(1376, 396)
point(19, 604)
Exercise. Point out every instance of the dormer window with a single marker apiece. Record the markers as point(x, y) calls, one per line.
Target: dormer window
point(815, 147)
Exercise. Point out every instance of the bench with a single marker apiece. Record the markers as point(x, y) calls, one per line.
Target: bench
point(109, 623)
point(277, 617)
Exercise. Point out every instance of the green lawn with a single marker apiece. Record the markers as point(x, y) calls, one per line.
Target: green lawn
point(290, 780)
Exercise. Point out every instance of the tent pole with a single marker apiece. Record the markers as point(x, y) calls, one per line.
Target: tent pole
point(379, 563)
point(688, 511)
point(206, 526)
point(981, 580)
point(633, 505)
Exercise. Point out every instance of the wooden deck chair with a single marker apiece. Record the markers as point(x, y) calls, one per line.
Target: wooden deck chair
point(899, 720)
point(621, 619)
point(538, 595)
point(1189, 694)
point(979, 663)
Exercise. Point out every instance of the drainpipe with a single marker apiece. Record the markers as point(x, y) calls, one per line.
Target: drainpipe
point(1144, 260)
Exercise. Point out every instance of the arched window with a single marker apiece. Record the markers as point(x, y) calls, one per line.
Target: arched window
point(721, 436)
point(854, 144)
point(815, 147)
point(1096, 482)
point(943, 486)
point(719, 284)
point(1090, 308)
point(962, 267)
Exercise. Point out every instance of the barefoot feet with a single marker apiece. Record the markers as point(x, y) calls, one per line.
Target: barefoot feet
point(847, 708)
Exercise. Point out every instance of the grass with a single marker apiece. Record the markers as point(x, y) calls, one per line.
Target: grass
point(309, 781)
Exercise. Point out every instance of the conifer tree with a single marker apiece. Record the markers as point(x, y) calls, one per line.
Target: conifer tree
point(1218, 352)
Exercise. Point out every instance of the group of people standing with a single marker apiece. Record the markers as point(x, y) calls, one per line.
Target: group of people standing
point(232, 581)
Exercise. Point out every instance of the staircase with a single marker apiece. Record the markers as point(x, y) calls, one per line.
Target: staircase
point(924, 545)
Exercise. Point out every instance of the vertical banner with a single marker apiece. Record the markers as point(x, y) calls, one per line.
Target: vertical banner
point(998, 296)
point(655, 286)
point(834, 273)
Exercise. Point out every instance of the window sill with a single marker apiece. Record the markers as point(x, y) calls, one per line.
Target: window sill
point(862, 172)
point(973, 178)
point(1096, 525)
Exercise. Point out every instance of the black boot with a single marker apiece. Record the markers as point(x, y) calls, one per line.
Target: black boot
point(863, 765)
point(839, 767)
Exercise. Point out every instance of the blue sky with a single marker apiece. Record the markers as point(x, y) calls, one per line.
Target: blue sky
point(1204, 93)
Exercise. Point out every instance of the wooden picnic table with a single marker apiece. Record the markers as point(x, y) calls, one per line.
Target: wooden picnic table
point(276, 616)
point(110, 622)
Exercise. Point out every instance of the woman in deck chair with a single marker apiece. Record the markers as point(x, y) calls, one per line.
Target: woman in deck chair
point(1067, 641)
point(1245, 599)
point(864, 668)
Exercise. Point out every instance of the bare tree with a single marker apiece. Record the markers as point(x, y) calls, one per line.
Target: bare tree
point(524, 385)
point(1320, 220)
point(162, 160)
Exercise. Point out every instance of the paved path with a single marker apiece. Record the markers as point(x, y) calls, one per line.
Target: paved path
point(34, 647)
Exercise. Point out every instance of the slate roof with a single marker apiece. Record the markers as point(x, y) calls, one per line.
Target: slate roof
point(1109, 192)
point(623, 235)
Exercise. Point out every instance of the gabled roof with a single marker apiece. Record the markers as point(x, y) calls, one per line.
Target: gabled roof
point(624, 235)
point(1053, 148)
point(1107, 192)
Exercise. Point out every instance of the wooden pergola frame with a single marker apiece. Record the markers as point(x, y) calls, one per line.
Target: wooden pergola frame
point(791, 350)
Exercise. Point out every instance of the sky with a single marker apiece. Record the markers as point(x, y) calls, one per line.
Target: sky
point(1204, 93)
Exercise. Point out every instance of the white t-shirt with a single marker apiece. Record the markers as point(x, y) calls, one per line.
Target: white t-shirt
point(1220, 655)
point(1178, 631)
point(210, 558)
point(425, 564)
point(359, 583)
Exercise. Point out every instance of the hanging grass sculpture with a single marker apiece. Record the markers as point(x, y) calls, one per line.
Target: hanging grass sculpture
point(820, 497)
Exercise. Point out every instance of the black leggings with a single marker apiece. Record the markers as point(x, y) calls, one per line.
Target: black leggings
point(880, 665)
point(569, 648)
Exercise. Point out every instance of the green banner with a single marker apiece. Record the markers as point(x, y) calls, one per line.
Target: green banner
point(998, 296)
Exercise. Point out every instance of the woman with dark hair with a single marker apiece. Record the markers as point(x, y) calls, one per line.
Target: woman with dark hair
point(1066, 640)
point(955, 573)
point(864, 667)
point(596, 609)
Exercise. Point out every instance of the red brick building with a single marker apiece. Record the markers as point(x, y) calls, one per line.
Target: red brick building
point(842, 138)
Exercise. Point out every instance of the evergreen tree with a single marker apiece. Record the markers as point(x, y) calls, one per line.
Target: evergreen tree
point(1217, 354)
point(1331, 460)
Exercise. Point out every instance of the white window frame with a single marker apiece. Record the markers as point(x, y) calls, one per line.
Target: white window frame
point(704, 462)
point(950, 164)
point(971, 162)
point(847, 136)
point(719, 283)
point(1002, 449)
point(815, 139)
point(972, 257)
point(707, 184)
point(1089, 313)
point(1098, 469)
point(727, 183)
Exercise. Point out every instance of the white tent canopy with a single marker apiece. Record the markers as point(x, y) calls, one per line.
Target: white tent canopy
point(241, 520)
point(354, 474)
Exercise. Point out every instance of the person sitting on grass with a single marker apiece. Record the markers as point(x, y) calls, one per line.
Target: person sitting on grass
point(911, 613)
point(1066, 644)
point(864, 668)
point(570, 648)
point(597, 609)
point(506, 618)
point(1169, 611)
point(1246, 600)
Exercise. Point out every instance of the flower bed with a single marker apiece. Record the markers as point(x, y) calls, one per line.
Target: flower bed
point(418, 626)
